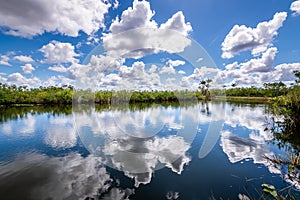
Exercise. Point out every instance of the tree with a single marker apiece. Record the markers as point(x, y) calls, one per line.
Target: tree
point(204, 86)
point(275, 88)
point(297, 74)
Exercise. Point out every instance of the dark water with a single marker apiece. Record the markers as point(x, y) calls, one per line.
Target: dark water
point(197, 151)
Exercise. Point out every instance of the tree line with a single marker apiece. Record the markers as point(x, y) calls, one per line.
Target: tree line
point(12, 94)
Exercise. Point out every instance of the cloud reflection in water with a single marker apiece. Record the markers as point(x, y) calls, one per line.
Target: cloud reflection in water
point(37, 176)
point(137, 143)
point(248, 146)
point(139, 158)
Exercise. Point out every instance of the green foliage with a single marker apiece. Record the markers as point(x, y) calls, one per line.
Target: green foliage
point(11, 94)
point(16, 112)
point(66, 95)
point(286, 134)
point(297, 74)
point(269, 90)
point(270, 189)
point(286, 131)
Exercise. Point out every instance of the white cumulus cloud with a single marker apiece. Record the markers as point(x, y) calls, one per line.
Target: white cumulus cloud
point(22, 58)
point(175, 63)
point(203, 73)
point(58, 81)
point(59, 52)
point(259, 70)
point(27, 68)
point(19, 79)
point(58, 68)
point(295, 7)
point(136, 34)
point(139, 15)
point(258, 39)
point(4, 60)
point(263, 64)
point(167, 70)
point(181, 72)
point(177, 23)
point(28, 18)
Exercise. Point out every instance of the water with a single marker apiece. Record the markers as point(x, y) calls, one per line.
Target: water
point(192, 151)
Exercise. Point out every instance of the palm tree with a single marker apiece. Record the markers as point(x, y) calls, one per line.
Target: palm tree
point(204, 86)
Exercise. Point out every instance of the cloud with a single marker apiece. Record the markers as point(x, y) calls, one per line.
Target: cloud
point(4, 60)
point(170, 151)
point(68, 177)
point(136, 77)
point(105, 63)
point(137, 71)
point(90, 75)
point(7, 128)
point(22, 58)
point(175, 63)
point(59, 52)
point(118, 194)
point(199, 59)
point(136, 34)
point(58, 68)
point(27, 68)
point(238, 149)
point(181, 72)
point(295, 7)
point(177, 23)
point(258, 70)
point(129, 141)
point(28, 18)
point(61, 133)
point(107, 73)
point(263, 64)
point(251, 146)
point(19, 79)
point(139, 15)
point(202, 73)
point(77, 71)
point(116, 4)
point(252, 119)
point(167, 70)
point(28, 125)
point(152, 69)
point(242, 38)
point(123, 77)
point(284, 72)
point(140, 124)
point(58, 81)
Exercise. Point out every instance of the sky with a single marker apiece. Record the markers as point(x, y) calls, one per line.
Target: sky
point(147, 45)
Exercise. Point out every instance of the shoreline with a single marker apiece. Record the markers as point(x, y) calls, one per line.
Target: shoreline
point(238, 99)
point(243, 99)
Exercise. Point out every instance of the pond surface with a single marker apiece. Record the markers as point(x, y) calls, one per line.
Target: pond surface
point(189, 151)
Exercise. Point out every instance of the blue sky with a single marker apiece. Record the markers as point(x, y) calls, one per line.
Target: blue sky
point(145, 44)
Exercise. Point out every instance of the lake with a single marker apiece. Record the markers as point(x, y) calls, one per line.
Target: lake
point(171, 151)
